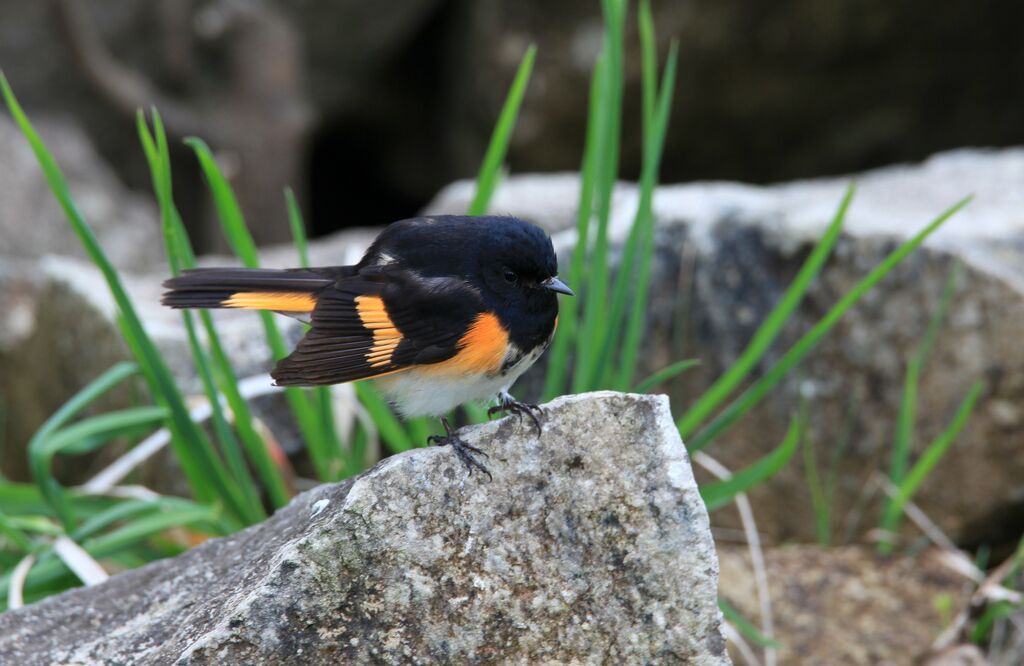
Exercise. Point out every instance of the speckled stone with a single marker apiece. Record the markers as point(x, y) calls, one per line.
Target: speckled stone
point(591, 545)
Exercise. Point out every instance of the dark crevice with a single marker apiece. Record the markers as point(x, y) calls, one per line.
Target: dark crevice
point(377, 162)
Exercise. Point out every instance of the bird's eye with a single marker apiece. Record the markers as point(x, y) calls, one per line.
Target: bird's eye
point(511, 277)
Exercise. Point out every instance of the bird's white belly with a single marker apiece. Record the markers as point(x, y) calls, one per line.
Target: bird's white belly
point(421, 391)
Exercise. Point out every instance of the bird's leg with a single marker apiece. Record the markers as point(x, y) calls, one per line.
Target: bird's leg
point(509, 405)
point(464, 451)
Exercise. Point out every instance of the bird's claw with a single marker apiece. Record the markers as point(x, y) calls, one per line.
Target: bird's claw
point(466, 452)
point(509, 405)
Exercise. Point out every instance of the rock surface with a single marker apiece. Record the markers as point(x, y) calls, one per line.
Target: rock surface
point(32, 223)
point(591, 545)
point(848, 605)
point(727, 251)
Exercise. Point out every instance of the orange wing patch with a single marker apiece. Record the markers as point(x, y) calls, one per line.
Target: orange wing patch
point(482, 348)
point(374, 316)
point(281, 301)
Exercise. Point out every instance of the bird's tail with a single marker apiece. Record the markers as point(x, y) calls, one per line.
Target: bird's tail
point(291, 291)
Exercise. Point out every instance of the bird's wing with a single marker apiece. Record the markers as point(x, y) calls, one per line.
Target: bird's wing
point(373, 325)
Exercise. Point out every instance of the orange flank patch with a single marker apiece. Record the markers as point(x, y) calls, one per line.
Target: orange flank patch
point(481, 350)
point(374, 316)
point(281, 301)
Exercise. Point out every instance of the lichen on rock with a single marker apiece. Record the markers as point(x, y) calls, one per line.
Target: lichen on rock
point(591, 545)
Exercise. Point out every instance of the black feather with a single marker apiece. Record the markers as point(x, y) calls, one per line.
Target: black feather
point(209, 287)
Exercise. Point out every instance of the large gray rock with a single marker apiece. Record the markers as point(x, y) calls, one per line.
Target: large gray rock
point(54, 339)
point(591, 545)
point(727, 251)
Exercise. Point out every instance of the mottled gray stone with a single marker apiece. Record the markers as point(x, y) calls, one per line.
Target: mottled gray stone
point(591, 545)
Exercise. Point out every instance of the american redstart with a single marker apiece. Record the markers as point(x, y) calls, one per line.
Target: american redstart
point(440, 311)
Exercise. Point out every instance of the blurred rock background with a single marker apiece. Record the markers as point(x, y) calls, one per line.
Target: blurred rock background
point(388, 106)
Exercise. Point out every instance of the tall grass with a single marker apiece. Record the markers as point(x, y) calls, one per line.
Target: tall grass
point(202, 465)
point(908, 482)
point(236, 476)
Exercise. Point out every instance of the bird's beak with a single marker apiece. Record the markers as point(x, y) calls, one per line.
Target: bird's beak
point(554, 284)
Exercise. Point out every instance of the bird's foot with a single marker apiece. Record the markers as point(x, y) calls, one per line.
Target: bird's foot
point(466, 453)
point(509, 405)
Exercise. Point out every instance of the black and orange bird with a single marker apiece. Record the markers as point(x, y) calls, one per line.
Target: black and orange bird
point(440, 311)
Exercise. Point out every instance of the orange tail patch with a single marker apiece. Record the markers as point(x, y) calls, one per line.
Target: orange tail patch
point(281, 301)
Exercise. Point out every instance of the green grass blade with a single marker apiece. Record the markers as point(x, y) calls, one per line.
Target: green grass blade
point(595, 316)
point(648, 63)
point(719, 493)
point(50, 568)
point(665, 374)
point(422, 427)
point(903, 444)
point(497, 149)
point(568, 322)
point(82, 436)
point(820, 504)
point(52, 491)
point(18, 500)
point(904, 438)
point(98, 429)
point(203, 469)
point(228, 210)
point(357, 450)
point(745, 626)
point(636, 248)
point(903, 441)
point(181, 256)
point(755, 393)
point(997, 611)
point(476, 412)
point(119, 512)
point(238, 236)
point(392, 433)
point(36, 524)
point(298, 226)
point(85, 397)
point(322, 394)
point(935, 323)
point(14, 536)
point(644, 252)
point(768, 331)
point(937, 448)
point(229, 443)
